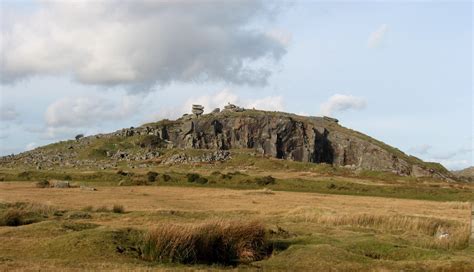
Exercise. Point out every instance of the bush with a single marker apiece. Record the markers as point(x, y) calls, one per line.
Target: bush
point(67, 177)
point(118, 208)
point(151, 176)
point(214, 242)
point(192, 177)
point(43, 184)
point(262, 181)
point(166, 177)
point(202, 180)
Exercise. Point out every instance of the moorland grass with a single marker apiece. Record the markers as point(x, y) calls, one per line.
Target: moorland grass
point(22, 213)
point(221, 242)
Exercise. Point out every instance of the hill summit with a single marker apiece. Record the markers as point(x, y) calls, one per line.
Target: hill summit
point(269, 134)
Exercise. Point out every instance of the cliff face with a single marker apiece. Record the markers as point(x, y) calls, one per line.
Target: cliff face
point(285, 136)
point(274, 134)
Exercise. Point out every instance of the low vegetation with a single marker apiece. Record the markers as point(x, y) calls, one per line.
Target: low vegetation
point(22, 213)
point(221, 242)
point(438, 233)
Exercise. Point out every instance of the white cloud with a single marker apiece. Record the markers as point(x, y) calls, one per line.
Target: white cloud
point(454, 164)
point(421, 150)
point(30, 146)
point(340, 103)
point(376, 38)
point(218, 100)
point(73, 112)
point(8, 113)
point(455, 159)
point(142, 43)
point(271, 103)
point(452, 154)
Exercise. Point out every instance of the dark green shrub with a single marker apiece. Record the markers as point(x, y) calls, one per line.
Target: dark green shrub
point(166, 177)
point(151, 176)
point(192, 177)
point(67, 177)
point(201, 180)
point(267, 180)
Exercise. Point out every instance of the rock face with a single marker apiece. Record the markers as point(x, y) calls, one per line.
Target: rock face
point(286, 136)
point(272, 134)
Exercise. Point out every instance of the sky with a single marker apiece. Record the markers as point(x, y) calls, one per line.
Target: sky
point(400, 72)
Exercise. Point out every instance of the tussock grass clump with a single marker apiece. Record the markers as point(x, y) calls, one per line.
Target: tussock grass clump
point(22, 213)
point(222, 242)
point(118, 208)
point(43, 184)
point(262, 181)
point(102, 209)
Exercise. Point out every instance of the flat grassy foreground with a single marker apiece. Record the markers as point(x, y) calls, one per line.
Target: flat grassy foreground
point(188, 228)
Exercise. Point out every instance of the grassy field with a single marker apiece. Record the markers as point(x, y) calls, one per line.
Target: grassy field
point(75, 229)
point(247, 213)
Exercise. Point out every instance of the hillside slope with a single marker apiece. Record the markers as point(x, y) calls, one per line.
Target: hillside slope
point(273, 134)
point(466, 174)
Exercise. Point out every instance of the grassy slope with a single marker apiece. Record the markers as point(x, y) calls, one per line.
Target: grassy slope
point(291, 176)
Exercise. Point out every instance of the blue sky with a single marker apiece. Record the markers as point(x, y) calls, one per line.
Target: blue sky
point(400, 72)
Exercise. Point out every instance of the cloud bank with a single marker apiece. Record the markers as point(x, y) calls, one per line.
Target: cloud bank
point(8, 113)
point(142, 43)
point(83, 111)
point(340, 103)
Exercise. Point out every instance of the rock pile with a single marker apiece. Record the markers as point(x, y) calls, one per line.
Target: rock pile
point(217, 156)
point(232, 108)
point(198, 110)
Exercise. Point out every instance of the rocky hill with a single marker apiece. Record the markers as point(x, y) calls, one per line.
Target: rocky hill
point(465, 174)
point(273, 134)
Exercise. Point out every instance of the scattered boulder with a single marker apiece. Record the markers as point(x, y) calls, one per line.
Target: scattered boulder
point(87, 188)
point(198, 110)
point(60, 184)
point(233, 108)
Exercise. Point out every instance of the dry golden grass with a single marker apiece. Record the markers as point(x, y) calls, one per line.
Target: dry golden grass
point(324, 231)
point(443, 233)
point(223, 242)
point(22, 213)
